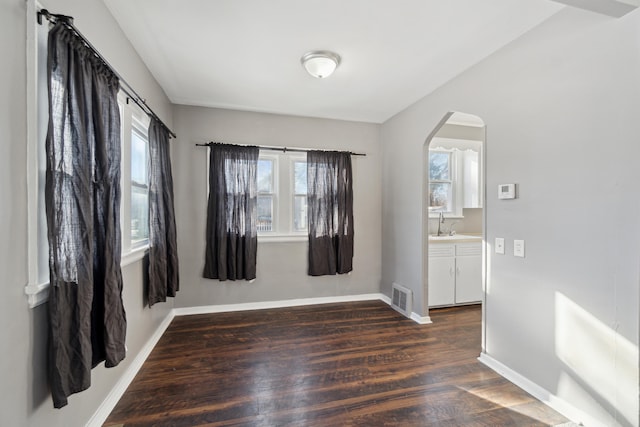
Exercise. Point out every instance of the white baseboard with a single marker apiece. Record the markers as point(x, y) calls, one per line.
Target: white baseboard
point(384, 298)
point(101, 415)
point(554, 402)
point(422, 320)
point(208, 309)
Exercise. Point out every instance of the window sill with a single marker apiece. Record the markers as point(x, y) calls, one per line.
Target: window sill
point(134, 255)
point(39, 294)
point(279, 238)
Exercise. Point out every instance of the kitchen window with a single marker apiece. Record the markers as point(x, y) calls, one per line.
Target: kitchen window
point(441, 183)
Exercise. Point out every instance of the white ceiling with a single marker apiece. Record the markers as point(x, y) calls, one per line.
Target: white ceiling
point(245, 54)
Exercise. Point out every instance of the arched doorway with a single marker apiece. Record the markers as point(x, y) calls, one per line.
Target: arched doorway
point(454, 214)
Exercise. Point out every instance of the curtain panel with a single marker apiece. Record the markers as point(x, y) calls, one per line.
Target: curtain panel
point(330, 212)
point(232, 233)
point(87, 322)
point(163, 280)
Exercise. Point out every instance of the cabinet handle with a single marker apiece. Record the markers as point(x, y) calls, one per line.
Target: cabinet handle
point(450, 271)
point(457, 271)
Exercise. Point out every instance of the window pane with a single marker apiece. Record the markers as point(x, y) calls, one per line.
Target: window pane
point(265, 213)
point(439, 166)
point(300, 213)
point(139, 214)
point(138, 159)
point(139, 190)
point(300, 178)
point(265, 176)
point(440, 196)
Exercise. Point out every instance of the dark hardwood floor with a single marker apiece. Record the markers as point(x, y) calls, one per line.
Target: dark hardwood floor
point(351, 364)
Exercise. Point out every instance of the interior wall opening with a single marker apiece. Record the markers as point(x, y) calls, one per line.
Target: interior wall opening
point(454, 215)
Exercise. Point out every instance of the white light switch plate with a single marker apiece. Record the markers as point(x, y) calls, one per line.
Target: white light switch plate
point(518, 248)
point(500, 245)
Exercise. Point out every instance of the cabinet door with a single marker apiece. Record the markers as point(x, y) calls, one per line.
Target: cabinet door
point(468, 279)
point(441, 281)
point(472, 177)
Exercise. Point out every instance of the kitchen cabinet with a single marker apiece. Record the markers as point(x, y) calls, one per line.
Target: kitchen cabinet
point(471, 179)
point(455, 273)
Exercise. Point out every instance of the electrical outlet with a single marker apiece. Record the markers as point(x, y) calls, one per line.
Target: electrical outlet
point(499, 245)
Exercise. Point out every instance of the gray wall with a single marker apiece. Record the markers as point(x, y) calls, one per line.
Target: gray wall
point(24, 395)
point(561, 105)
point(282, 267)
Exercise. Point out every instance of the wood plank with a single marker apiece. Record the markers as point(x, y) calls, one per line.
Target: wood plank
point(351, 364)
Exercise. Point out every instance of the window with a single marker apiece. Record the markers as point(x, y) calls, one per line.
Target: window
point(265, 193)
point(134, 203)
point(282, 196)
point(440, 181)
point(300, 195)
point(139, 212)
point(37, 121)
point(134, 185)
point(455, 176)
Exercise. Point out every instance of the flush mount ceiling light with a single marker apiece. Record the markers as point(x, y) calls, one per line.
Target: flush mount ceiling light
point(320, 63)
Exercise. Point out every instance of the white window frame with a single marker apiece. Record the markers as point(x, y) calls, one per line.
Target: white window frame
point(283, 229)
point(292, 186)
point(37, 288)
point(456, 181)
point(274, 193)
point(142, 133)
point(132, 119)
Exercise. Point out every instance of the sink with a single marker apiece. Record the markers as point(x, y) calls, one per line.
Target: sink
point(454, 237)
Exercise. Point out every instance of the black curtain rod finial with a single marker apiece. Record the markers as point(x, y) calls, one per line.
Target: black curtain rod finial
point(53, 16)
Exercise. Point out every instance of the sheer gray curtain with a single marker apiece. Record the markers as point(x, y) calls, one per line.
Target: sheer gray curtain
point(87, 322)
point(232, 234)
point(163, 251)
point(330, 212)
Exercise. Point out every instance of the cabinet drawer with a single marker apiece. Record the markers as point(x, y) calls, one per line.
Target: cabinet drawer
point(468, 249)
point(442, 250)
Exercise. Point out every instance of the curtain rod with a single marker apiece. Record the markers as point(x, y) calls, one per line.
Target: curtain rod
point(131, 93)
point(283, 149)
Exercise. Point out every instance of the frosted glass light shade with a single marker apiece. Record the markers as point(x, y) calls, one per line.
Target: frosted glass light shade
point(320, 63)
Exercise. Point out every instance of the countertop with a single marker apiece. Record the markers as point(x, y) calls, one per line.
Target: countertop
point(456, 238)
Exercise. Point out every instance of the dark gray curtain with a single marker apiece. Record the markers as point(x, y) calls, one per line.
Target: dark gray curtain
point(163, 278)
point(87, 322)
point(232, 233)
point(330, 210)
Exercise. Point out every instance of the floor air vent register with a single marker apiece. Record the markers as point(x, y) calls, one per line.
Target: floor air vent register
point(401, 299)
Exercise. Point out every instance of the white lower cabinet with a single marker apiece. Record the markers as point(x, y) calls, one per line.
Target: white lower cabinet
point(455, 273)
